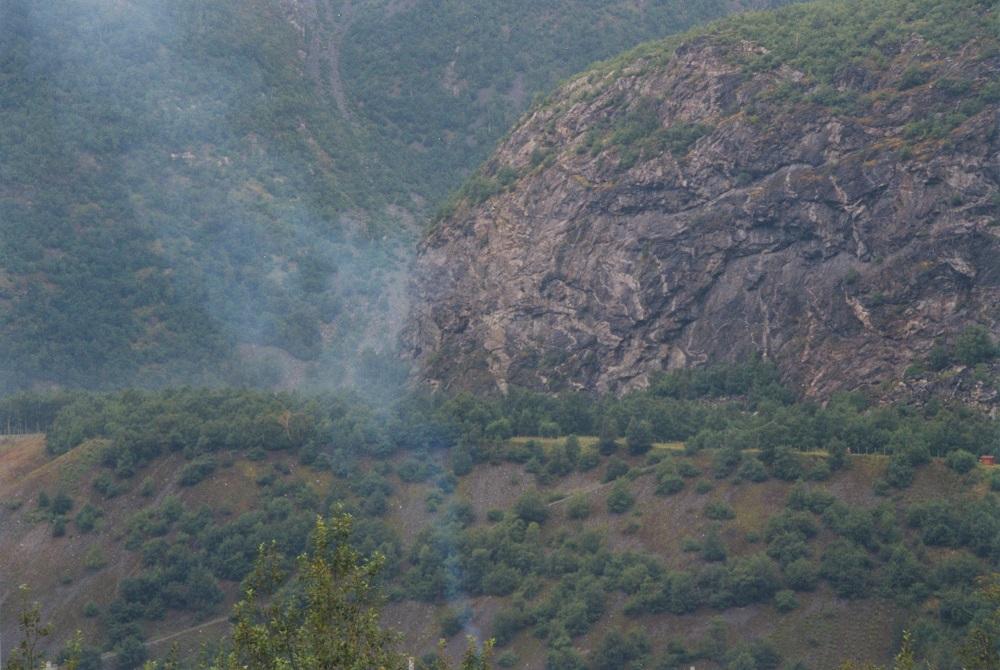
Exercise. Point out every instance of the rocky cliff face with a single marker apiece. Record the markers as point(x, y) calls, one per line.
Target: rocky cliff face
point(724, 197)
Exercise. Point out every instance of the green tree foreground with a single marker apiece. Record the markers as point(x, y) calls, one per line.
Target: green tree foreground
point(324, 616)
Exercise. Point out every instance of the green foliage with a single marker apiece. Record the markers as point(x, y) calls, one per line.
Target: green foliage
point(578, 506)
point(330, 619)
point(960, 460)
point(28, 653)
point(531, 508)
point(621, 651)
point(619, 499)
point(639, 436)
point(718, 510)
point(975, 345)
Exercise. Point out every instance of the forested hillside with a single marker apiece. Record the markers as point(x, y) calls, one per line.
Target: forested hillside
point(442, 81)
point(229, 191)
point(704, 521)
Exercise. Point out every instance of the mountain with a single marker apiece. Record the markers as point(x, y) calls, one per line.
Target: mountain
point(817, 185)
point(230, 192)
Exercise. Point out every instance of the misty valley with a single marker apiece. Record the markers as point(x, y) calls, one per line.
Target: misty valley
point(556, 335)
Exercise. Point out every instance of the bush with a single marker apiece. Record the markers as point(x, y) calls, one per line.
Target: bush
point(847, 568)
point(607, 441)
point(616, 468)
point(900, 473)
point(618, 652)
point(197, 470)
point(94, 559)
point(785, 601)
point(669, 485)
point(59, 526)
point(712, 549)
point(106, 485)
point(751, 470)
point(786, 464)
point(801, 575)
point(975, 345)
point(589, 458)
point(531, 508)
point(578, 506)
point(507, 659)
point(960, 460)
point(639, 437)
point(452, 621)
point(86, 518)
point(620, 500)
point(719, 511)
point(62, 503)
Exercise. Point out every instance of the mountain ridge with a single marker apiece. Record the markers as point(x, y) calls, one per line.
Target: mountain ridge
point(832, 207)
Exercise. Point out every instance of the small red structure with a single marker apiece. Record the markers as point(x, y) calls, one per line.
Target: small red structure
point(988, 460)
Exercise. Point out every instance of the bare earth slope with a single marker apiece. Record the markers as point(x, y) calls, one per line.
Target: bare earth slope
point(828, 201)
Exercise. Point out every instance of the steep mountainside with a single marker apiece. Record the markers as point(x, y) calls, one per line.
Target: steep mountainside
point(189, 187)
point(441, 82)
point(817, 184)
point(702, 538)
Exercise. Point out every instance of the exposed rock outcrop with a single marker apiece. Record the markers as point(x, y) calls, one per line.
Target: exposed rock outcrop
point(690, 205)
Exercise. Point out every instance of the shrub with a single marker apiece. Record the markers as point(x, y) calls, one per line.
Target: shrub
point(616, 468)
point(578, 507)
point(688, 469)
point(639, 437)
point(718, 510)
point(507, 659)
point(59, 526)
point(94, 559)
point(801, 575)
point(900, 473)
point(617, 651)
point(452, 621)
point(960, 460)
point(197, 470)
point(702, 486)
point(607, 441)
point(975, 345)
point(786, 464)
point(785, 601)
point(87, 518)
point(62, 503)
point(620, 500)
point(751, 470)
point(847, 568)
point(531, 508)
point(669, 485)
point(726, 461)
point(712, 549)
point(589, 458)
point(106, 485)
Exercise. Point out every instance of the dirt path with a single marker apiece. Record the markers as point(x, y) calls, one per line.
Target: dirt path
point(166, 638)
